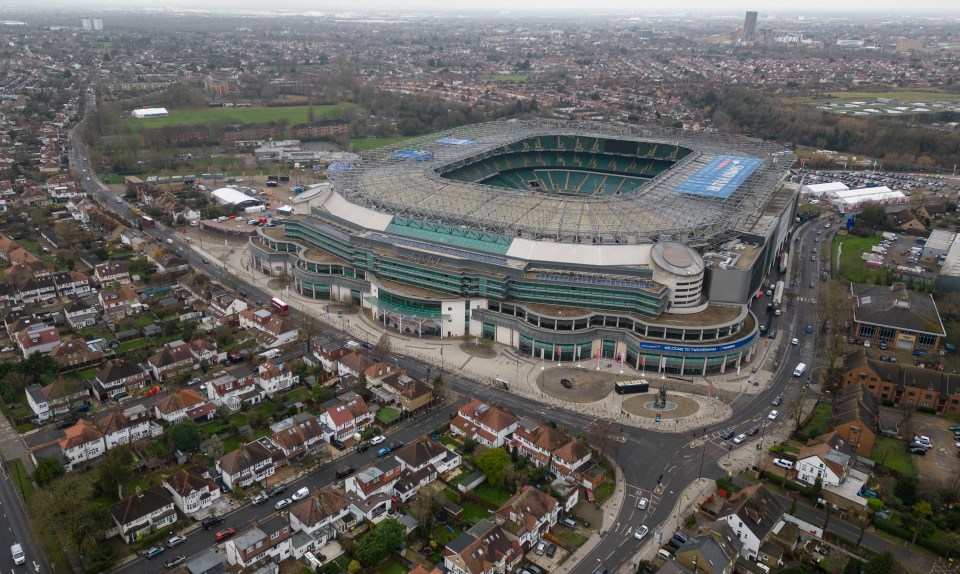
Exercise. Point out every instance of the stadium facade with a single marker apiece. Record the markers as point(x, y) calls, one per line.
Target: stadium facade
point(567, 241)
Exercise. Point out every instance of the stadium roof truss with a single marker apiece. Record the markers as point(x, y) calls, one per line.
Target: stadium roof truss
point(415, 189)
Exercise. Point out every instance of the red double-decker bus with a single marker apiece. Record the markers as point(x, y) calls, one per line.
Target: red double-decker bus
point(281, 307)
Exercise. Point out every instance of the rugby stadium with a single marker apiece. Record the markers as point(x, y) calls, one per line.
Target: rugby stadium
point(565, 240)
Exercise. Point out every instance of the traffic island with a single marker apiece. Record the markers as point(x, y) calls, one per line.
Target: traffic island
point(582, 385)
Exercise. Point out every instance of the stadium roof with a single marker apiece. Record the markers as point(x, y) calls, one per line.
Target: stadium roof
point(394, 182)
point(230, 196)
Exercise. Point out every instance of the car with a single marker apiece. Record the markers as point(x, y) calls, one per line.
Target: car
point(66, 423)
point(551, 550)
point(280, 489)
point(532, 568)
point(924, 446)
point(783, 463)
point(259, 499)
point(728, 434)
point(739, 438)
point(211, 521)
point(346, 471)
point(206, 261)
point(396, 444)
point(752, 431)
point(568, 522)
point(566, 383)
point(175, 561)
point(363, 447)
point(6, 350)
point(367, 345)
point(383, 451)
point(813, 258)
point(643, 503)
point(812, 285)
point(377, 439)
point(180, 249)
point(300, 494)
point(814, 249)
point(680, 536)
point(921, 438)
point(639, 533)
point(954, 428)
point(919, 353)
point(777, 401)
point(224, 534)
point(195, 381)
point(88, 178)
point(176, 541)
point(773, 415)
point(918, 450)
point(541, 548)
point(283, 503)
point(795, 341)
point(153, 552)
point(826, 226)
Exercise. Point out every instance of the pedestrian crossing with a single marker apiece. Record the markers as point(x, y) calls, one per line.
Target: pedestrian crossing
point(811, 300)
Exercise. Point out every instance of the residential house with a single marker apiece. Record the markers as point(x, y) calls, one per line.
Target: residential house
point(265, 540)
point(192, 489)
point(250, 463)
point(545, 445)
point(345, 415)
point(137, 515)
point(280, 330)
point(370, 490)
point(36, 289)
point(714, 552)
point(81, 442)
point(238, 382)
point(421, 462)
point(751, 513)
point(354, 363)
point(71, 283)
point(118, 376)
point(222, 304)
point(169, 262)
point(329, 359)
point(906, 220)
point(111, 273)
point(56, 398)
point(36, 338)
point(80, 314)
point(76, 353)
point(486, 424)
point(275, 378)
point(127, 426)
point(322, 515)
point(410, 394)
point(184, 404)
point(483, 549)
point(119, 303)
point(528, 515)
point(174, 358)
point(824, 462)
point(896, 384)
point(298, 435)
point(855, 418)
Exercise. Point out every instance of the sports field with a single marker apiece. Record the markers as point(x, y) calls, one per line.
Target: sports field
point(912, 95)
point(292, 114)
point(506, 78)
point(364, 144)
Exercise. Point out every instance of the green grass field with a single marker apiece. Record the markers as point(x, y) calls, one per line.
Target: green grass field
point(852, 267)
point(506, 78)
point(894, 456)
point(20, 479)
point(492, 494)
point(474, 513)
point(820, 420)
point(364, 144)
point(911, 95)
point(292, 114)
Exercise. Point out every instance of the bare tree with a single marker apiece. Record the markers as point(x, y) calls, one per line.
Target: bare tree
point(382, 349)
point(797, 406)
point(601, 436)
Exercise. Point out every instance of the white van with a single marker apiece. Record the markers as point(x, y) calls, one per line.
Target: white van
point(301, 494)
point(352, 345)
point(18, 556)
point(798, 372)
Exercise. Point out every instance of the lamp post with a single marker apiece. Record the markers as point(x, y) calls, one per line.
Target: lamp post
point(703, 453)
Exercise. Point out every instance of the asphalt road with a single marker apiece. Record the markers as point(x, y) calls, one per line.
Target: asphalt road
point(16, 529)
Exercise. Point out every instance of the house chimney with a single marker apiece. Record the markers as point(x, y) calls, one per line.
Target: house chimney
point(139, 492)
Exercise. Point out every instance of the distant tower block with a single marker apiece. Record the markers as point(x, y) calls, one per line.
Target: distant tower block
point(749, 27)
point(90, 24)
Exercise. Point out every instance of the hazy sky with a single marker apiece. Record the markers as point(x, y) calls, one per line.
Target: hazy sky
point(546, 7)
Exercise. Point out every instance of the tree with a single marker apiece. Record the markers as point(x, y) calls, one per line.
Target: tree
point(67, 512)
point(873, 215)
point(882, 563)
point(923, 512)
point(601, 436)
point(382, 349)
point(492, 464)
point(425, 507)
point(817, 489)
point(212, 447)
point(354, 567)
point(863, 521)
point(114, 470)
point(185, 436)
point(379, 542)
point(906, 490)
point(48, 469)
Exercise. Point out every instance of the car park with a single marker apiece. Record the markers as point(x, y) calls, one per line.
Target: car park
point(783, 463)
point(640, 532)
point(154, 551)
point(643, 503)
point(773, 415)
point(224, 534)
point(176, 541)
point(377, 439)
point(739, 438)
